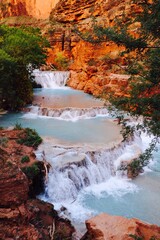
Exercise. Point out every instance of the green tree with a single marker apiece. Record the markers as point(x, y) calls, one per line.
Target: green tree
point(142, 53)
point(139, 33)
point(21, 50)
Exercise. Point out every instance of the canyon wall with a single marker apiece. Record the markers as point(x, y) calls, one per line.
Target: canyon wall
point(39, 8)
point(36, 8)
point(91, 64)
point(94, 67)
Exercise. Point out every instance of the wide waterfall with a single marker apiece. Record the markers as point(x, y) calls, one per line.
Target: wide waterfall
point(75, 168)
point(68, 114)
point(51, 79)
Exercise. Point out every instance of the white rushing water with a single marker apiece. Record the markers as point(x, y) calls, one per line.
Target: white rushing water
point(75, 170)
point(67, 114)
point(84, 179)
point(78, 171)
point(57, 80)
point(51, 79)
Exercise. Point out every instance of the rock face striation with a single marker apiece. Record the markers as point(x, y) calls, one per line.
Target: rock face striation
point(92, 68)
point(106, 227)
point(22, 216)
point(36, 8)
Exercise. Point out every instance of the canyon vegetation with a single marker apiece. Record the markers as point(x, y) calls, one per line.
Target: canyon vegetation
point(22, 50)
point(110, 50)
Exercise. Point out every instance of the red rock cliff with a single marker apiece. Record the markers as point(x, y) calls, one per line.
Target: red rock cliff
point(92, 64)
point(36, 8)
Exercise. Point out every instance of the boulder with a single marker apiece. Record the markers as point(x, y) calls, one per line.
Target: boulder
point(106, 227)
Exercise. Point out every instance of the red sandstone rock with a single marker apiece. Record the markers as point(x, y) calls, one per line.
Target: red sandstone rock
point(21, 217)
point(14, 184)
point(38, 9)
point(106, 227)
point(91, 63)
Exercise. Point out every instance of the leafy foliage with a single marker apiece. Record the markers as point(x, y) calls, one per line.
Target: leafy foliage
point(21, 50)
point(18, 126)
point(25, 159)
point(139, 33)
point(31, 171)
point(62, 61)
point(3, 141)
point(135, 237)
point(30, 138)
point(143, 66)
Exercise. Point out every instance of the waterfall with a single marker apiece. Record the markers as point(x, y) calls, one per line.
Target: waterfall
point(68, 114)
point(51, 79)
point(66, 181)
point(74, 169)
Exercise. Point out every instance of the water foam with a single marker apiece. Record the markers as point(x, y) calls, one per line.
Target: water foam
point(77, 171)
point(116, 187)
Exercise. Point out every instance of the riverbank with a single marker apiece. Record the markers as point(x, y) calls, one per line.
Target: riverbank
point(22, 216)
point(29, 218)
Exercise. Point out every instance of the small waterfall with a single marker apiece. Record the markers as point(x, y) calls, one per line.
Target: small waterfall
point(51, 79)
point(68, 114)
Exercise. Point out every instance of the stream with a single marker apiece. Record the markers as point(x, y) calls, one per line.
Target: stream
point(82, 143)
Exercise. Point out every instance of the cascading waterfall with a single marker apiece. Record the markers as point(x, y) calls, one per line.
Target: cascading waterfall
point(74, 169)
point(83, 176)
point(57, 80)
point(66, 182)
point(68, 114)
point(87, 169)
point(51, 79)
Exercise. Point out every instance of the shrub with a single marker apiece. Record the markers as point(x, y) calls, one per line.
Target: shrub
point(91, 62)
point(135, 237)
point(30, 138)
point(31, 171)
point(18, 126)
point(62, 61)
point(3, 141)
point(25, 159)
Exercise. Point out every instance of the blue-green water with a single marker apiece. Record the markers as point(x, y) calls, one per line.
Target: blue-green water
point(142, 204)
point(97, 130)
point(138, 198)
point(66, 97)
